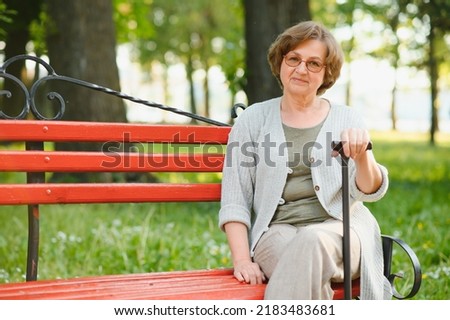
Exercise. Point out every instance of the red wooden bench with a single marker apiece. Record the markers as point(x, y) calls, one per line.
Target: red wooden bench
point(200, 284)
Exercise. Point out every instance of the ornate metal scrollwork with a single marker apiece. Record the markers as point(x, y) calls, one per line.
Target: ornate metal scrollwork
point(26, 107)
point(30, 101)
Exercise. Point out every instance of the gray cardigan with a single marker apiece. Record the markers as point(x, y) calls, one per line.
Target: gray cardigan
point(255, 172)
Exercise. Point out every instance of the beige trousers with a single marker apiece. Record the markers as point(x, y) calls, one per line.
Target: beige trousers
point(301, 262)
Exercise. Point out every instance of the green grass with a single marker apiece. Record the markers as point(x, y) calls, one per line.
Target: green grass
point(417, 205)
point(108, 239)
point(80, 240)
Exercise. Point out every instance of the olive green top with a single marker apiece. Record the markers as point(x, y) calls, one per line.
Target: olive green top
point(300, 205)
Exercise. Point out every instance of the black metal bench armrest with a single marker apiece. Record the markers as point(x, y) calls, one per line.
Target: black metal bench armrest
point(388, 242)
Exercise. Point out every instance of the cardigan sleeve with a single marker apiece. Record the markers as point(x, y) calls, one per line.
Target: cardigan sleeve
point(238, 176)
point(377, 195)
point(328, 176)
point(357, 194)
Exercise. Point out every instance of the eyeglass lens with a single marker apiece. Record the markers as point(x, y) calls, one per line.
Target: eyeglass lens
point(294, 60)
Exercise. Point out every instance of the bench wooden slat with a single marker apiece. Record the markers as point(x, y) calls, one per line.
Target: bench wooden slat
point(201, 284)
point(53, 193)
point(218, 284)
point(59, 161)
point(59, 131)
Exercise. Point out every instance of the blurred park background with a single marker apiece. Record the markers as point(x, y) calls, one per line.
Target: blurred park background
point(204, 56)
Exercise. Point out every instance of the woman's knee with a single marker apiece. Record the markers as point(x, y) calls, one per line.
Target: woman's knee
point(272, 245)
point(315, 239)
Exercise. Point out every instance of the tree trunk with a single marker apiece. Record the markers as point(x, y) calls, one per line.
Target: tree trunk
point(264, 21)
point(348, 86)
point(348, 48)
point(433, 70)
point(81, 44)
point(16, 41)
point(394, 102)
point(206, 91)
point(190, 77)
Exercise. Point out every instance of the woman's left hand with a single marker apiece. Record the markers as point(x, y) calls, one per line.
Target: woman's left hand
point(355, 142)
point(368, 174)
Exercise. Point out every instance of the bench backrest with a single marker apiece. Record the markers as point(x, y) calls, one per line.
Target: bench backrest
point(149, 148)
point(48, 161)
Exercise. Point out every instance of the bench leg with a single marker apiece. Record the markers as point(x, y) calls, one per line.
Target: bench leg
point(33, 219)
point(33, 242)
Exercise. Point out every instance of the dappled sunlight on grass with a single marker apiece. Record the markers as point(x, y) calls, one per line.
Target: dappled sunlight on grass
point(411, 158)
point(188, 177)
point(417, 205)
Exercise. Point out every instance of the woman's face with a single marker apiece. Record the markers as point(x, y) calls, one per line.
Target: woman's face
point(299, 80)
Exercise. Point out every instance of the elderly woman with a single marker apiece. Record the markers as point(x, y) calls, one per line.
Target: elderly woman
point(282, 190)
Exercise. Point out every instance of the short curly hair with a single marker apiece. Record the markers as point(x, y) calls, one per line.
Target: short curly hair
point(299, 33)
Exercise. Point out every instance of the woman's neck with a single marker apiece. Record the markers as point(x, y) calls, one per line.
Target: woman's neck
point(304, 113)
point(300, 104)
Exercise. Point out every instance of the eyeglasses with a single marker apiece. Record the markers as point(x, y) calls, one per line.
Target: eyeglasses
point(294, 60)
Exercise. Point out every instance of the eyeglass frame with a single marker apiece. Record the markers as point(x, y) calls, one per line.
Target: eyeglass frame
point(323, 65)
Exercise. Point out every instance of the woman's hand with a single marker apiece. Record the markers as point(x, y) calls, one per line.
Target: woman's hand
point(355, 142)
point(368, 174)
point(249, 272)
point(245, 270)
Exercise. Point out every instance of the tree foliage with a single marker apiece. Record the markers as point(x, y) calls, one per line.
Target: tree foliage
point(6, 18)
point(431, 19)
point(415, 36)
point(412, 33)
point(198, 34)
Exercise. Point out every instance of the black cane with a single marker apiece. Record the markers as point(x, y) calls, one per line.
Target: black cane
point(337, 146)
